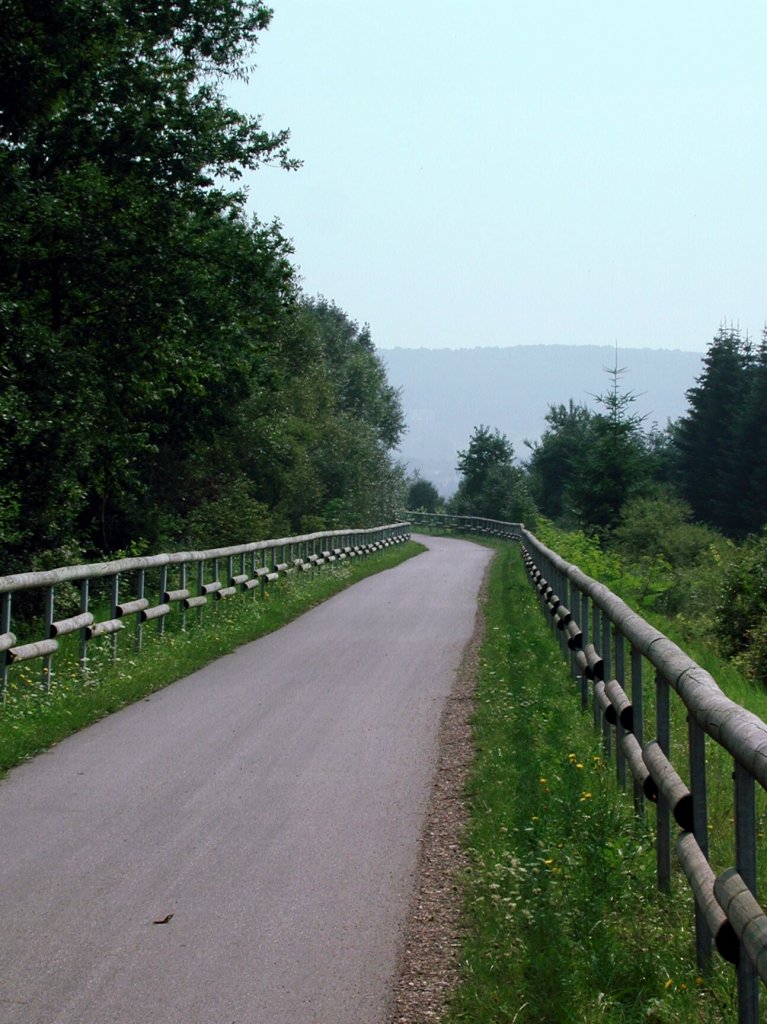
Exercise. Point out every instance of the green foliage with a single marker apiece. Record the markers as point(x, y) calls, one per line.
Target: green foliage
point(587, 465)
point(587, 552)
point(563, 921)
point(423, 496)
point(554, 462)
point(614, 462)
point(492, 486)
point(721, 443)
point(235, 517)
point(741, 619)
point(160, 374)
point(112, 140)
point(678, 560)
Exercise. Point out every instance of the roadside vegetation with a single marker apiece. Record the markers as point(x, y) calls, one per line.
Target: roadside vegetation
point(563, 921)
point(563, 917)
point(672, 519)
point(164, 382)
point(32, 720)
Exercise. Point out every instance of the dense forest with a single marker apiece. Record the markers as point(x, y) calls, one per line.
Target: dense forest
point(163, 381)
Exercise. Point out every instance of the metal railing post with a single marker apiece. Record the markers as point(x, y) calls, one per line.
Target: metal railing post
point(182, 586)
point(745, 863)
point(140, 587)
point(115, 600)
point(637, 702)
point(584, 624)
point(48, 659)
point(697, 748)
point(663, 832)
point(163, 588)
point(84, 599)
point(200, 585)
point(5, 627)
point(606, 652)
point(620, 675)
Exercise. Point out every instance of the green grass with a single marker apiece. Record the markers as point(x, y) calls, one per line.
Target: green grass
point(31, 720)
point(694, 635)
point(563, 921)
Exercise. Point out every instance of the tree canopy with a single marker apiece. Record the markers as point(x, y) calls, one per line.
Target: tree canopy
point(588, 463)
point(722, 440)
point(156, 355)
point(492, 486)
point(423, 495)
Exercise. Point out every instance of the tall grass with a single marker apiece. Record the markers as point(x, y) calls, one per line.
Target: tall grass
point(563, 920)
point(692, 631)
point(33, 718)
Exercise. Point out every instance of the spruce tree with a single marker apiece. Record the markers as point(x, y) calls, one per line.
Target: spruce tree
point(751, 503)
point(711, 457)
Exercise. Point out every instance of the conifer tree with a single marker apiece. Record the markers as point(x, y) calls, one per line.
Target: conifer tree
point(751, 485)
point(710, 436)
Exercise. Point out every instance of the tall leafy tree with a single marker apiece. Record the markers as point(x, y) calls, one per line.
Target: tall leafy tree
point(120, 236)
point(555, 458)
point(492, 486)
point(423, 495)
point(362, 418)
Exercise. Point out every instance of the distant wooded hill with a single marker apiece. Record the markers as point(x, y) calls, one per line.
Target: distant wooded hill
point(447, 392)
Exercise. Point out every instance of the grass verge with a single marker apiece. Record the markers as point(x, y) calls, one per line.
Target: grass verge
point(563, 922)
point(31, 720)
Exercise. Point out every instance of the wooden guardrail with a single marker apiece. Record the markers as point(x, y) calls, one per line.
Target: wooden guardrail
point(465, 524)
point(609, 648)
point(184, 580)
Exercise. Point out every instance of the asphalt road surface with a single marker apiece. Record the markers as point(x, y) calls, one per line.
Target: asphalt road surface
point(267, 809)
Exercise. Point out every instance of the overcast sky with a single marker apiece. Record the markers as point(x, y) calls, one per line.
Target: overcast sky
point(508, 172)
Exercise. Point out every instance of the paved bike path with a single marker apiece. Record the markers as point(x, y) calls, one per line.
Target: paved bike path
point(271, 803)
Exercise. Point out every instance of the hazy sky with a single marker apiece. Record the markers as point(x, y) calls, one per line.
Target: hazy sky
point(510, 172)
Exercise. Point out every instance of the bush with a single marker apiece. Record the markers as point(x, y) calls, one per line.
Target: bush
point(740, 617)
point(678, 560)
point(423, 496)
point(235, 517)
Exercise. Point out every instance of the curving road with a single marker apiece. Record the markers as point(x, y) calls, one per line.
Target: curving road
point(271, 803)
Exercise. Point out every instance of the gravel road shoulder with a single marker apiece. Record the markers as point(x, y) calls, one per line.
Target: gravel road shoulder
point(429, 967)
